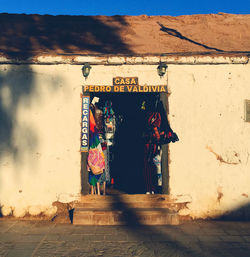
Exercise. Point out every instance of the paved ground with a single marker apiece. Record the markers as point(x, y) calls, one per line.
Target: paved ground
point(43, 238)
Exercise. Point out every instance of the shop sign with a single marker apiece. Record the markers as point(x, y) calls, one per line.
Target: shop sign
point(85, 124)
point(125, 89)
point(119, 81)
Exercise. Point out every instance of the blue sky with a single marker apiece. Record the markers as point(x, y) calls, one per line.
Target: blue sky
point(125, 7)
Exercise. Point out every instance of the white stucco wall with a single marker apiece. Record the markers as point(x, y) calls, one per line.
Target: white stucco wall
point(211, 160)
point(40, 138)
point(39, 158)
point(40, 132)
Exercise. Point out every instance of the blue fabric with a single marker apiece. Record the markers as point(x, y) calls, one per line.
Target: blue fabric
point(93, 179)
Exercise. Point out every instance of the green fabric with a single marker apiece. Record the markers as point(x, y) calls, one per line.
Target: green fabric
point(93, 181)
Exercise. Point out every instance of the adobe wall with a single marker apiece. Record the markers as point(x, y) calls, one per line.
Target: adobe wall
point(40, 136)
point(211, 160)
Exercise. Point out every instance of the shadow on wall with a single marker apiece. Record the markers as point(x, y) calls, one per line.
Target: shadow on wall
point(12, 92)
point(18, 88)
point(23, 36)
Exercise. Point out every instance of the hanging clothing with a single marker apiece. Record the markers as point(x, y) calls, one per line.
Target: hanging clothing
point(98, 114)
point(158, 132)
point(93, 179)
point(157, 163)
point(105, 177)
point(109, 121)
point(108, 111)
point(95, 160)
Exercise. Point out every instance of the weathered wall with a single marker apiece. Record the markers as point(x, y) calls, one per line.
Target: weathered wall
point(40, 111)
point(40, 132)
point(211, 160)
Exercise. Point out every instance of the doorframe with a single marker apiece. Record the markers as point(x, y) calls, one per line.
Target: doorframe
point(164, 159)
point(165, 151)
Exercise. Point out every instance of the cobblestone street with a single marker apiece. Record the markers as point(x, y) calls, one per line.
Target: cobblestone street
point(43, 238)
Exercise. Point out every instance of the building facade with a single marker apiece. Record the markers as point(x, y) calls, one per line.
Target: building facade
point(206, 106)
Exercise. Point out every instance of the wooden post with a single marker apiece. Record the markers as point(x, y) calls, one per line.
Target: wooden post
point(164, 158)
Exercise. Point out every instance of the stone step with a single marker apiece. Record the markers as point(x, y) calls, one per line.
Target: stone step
point(129, 197)
point(114, 202)
point(131, 216)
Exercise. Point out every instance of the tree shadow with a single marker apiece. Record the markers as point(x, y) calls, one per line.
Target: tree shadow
point(19, 91)
point(12, 92)
point(175, 33)
point(24, 36)
point(238, 214)
point(160, 240)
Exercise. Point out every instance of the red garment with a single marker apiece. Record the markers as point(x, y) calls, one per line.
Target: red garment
point(92, 123)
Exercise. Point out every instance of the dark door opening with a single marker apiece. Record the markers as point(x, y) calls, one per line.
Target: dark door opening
point(126, 154)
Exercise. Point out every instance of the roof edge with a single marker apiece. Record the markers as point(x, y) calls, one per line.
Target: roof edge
point(170, 58)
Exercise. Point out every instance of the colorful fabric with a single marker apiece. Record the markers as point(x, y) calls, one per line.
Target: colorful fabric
point(160, 134)
point(96, 161)
point(93, 133)
point(102, 178)
point(92, 123)
point(155, 119)
point(93, 179)
point(108, 111)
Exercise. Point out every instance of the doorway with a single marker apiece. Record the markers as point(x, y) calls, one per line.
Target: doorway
point(126, 155)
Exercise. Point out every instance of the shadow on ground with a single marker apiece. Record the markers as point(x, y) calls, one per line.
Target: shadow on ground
point(176, 241)
point(239, 214)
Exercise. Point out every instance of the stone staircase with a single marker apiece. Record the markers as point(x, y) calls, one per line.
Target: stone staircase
point(127, 209)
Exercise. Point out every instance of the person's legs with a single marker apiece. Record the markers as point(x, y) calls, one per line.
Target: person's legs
point(98, 188)
point(104, 188)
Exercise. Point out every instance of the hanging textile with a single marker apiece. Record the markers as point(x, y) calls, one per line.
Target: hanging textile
point(157, 133)
point(105, 149)
point(109, 121)
point(157, 163)
point(96, 160)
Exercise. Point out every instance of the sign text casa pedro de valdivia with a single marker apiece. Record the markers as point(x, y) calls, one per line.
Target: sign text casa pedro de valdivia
point(125, 85)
